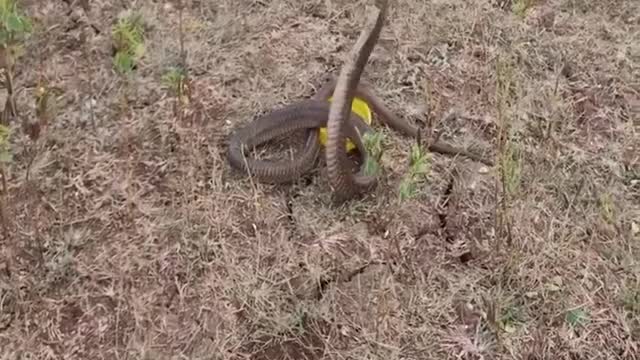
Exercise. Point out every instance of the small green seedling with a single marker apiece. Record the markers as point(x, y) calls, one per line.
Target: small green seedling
point(128, 41)
point(577, 317)
point(520, 7)
point(511, 165)
point(511, 318)
point(175, 80)
point(418, 168)
point(373, 142)
point(5, 150)
point(14, 27)
point(607, 207)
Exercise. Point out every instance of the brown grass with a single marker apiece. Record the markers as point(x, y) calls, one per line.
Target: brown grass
point(134, 239)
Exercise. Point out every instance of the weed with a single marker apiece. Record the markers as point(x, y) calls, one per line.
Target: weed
point(5, 150)
point(577, 317)
point(418, 168)
point(373, 143)
point(509, 158)
point(177, 77)
point(511, 318)
point(128, 41)
point(14, 29)
point(607, 207)
point(60, 263)
point(511, 167)
point(173, 79)
point(520, 7)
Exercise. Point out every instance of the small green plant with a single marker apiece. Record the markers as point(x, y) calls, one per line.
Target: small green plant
point(418, 168)
point(373, 142)
point(511, 165)
point(5, 150)
point(520, 7)
point(59, 262)
point(177, 77)
point(128, 41)
point(14, 29)
point(509, 158)
point(45, 104)
point(577, 317)
point(176, 81)
point(607, 207)
point(511, 318)
point(173, 79)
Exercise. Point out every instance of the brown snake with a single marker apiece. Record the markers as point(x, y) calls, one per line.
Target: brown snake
point(341, 123)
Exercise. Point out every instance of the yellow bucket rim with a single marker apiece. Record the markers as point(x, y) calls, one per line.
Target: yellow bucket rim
point(361, 108)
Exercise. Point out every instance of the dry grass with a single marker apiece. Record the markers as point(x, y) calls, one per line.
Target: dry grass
point(134, 239)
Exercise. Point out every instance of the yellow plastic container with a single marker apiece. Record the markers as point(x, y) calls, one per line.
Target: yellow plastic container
point(361, 108)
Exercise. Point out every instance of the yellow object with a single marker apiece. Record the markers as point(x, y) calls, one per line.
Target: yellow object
point(361, 108)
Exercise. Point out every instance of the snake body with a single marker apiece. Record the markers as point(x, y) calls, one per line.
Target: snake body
point(344, 183)
point(341, 123)
point(311, 114)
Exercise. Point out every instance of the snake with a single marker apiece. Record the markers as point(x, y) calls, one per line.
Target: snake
point(341, 123)
point(310, 115)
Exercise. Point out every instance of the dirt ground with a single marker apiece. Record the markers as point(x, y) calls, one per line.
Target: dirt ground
point(132, 238)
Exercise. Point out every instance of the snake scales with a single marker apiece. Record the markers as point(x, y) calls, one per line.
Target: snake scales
point(341, 122)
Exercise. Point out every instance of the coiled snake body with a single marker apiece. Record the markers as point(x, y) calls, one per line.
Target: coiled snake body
point(341, 123)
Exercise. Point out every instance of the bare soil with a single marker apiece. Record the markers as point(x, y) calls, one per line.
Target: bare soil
point(132, 238)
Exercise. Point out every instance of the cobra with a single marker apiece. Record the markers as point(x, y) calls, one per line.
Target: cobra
point(341, 123)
